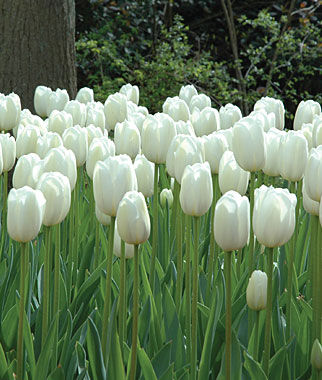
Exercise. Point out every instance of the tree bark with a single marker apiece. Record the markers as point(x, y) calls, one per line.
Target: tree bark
point(37, 47)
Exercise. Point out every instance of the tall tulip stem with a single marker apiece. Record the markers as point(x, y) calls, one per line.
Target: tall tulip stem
point(46, 288)
point(20, 372)
point(317, 318)
point(188, 286)
point(122, 303)
point(56, 289)
point(194, 311)
point(107, 300)
point(97, 244)
point(256, 337)
point(155, 226)
point(135, 313)
point(227, 267)
point(267, 344)
point(76, 224)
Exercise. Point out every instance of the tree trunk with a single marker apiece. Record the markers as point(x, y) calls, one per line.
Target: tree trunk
point(37, 47)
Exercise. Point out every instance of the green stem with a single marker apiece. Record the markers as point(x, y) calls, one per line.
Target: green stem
point(56, 290)
point(122, 304)
point(267, 345)
point(228, 314)
point(46, 289)
point(154, 227)
point(318, 257)
point(179, 258)
point(256, 338)
point(70, 247)
point(174, 210)
point(188, 287)
point(20, 359)
point(194, 311)
point(135, 313)
point(97, 244)
point(314, 220)
point(76, 226)
point(107, 300)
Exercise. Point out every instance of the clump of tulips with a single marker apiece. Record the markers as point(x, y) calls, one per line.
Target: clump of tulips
point(180, 245)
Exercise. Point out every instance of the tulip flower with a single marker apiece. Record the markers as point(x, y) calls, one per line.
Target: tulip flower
point(93, 132)
point(205, 121)
point(75, 139)
point(78, 112)
point(59, 121)
point(176, 108)
point(95, 115)
point(144, 170)
point(49, 141)
point(138, 119)
point(101, 217)
point(196, 192)
point(256, 292)
point(85, 95)
point(187, 92)
point(127, 139)
point(228, 134)
point(293, 154)
point(229, 115)
point(215, 145)
point(57, 100)
point(8, 147)
point(272, 162)
point(184, 128)
point(313, 174)
point(132, 93)
point(26, 118)
point(115, 109)
point(308, 130)
point(199, 101)
point(272, 105)
point(27, 140)
point(23, 169)
point(129, 248)
point(166, 197)
point(267, 120)
point(316, 355)
point(99, 150)
point(305, 113)
point(56, 189)
point(310, 206)
point(317, 131)
point(10, 108)
point(41, 99)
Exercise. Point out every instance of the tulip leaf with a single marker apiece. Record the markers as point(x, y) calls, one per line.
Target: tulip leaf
point(161, 360)
point(57, 374)
point(9, 328)
point(95, 351)
point(3, 362)
point(146, 365)
point(81, 357)
point(253, 367)
point(29, 345)
point(276, 364)
point(169, 374)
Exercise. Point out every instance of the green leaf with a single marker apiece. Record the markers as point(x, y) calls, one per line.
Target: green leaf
point(9, 328)
point(95, 352)
point(81, 356)
point(146, 365)
point(28, 340)
point(161, 360)
point(276, 364)
point(57, 374)
point(3, 362)
point(253, 368)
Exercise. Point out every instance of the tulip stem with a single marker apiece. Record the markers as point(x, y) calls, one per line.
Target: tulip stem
point(70, 246)
point(20, 360)
point(179, 259)
point(267, 344)
point(122, 304)
point(135, 312)
point(227, 267)
point(56, 290)
point(154, 226)
point(76, 225)
point(46, 288)
point(194, 310)
point(256, 340)
point(188, 287)
point(174, 210)
point(318, 284)
point(107, 300)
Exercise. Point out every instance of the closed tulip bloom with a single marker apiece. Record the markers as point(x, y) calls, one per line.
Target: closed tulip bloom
point(27, 140)
point(232, 221)
point(138, 119)
point(49, 141)
point(196, 192)
point(26, 208)
point(36, 172)
point(59, 121)
point(132, 93)
point(75, 138)
point(8, 147)
point(316, 355)
point(272, 162)
point(215, 145)
point(144, 170)
point(57, 100)
point(307, 130)
point(99, 150)
point(176, 108)
point(101, 217)
point(56, 189)
point(305, 113)
point(310, 206)
point(313, 174)
point(228, 134)
point(187, 92)
point(111, 180)
point(231, 176)
point(23, 169)
point(184, 128)
point(249, 144)
point(267, 120)
point(127, 139)
point(26, 117)
point(273, 216)
point(199, 101)
point(85, 95)
point(205, 121)
point(133, 221)
point(256, 292)
point(293, 154)
point(41, 99)
point(157, 134)
point(272, 105)
point(166, 197)
point(317, 131)
point(78, 112)
point(92, 133)
point(64, 161)
point(95, 115)
point(175, 142)
point(10, 108)
point(129, 248)
point(115, 109)
point(229, 115)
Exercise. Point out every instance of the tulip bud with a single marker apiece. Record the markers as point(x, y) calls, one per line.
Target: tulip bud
point(101, 217)
point(256, 292)
point(78, 112)
point(215, 145)
point(272, 105)
point(41, 99)
point(157, 134)
point(267, 120)
point(111, 180)
point(26, 209)
point(229, 115)
point(316, 355)
point(45, 143)
point(313, 174)
point(115, 109)
point(187, 92)
point(10, 108)
point(95, 115)
point(231, 176)
point(85, 95)
point(200, 101)
point(133, 221)
point(232, 221)
point(99, 150)
point(309, 205)
point(317, 131)
point(206, 121)
point(273, 216)
point(56, 189)
point(26, 118)
point(228, 134)
point(27, 140)
point(176, 108)
point(166, 197)
point(8, 147)
point(307, 130)
point(138, 119)
point(129, 248)
point(293, 154)
point(249, 144)
point(127, 139)
point(272, 162)
point(131, 92)
point(57, 100)
point(75, 138)
point(184, 128)
point(23, 169)
point(59, 121)
point(305, 112)
point(144, 170)
point(92, 133)
point(196, 191)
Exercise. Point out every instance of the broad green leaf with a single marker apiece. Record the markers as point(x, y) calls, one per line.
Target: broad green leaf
point(9, 328)
point(146, 365)
point(28, 341)
point(253, 368)
point(276, 364)
point(161, 360)
point(57, 374)
point(3, 362)
point(95, 352)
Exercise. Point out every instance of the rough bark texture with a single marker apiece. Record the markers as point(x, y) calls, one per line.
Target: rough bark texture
point(37, 47)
